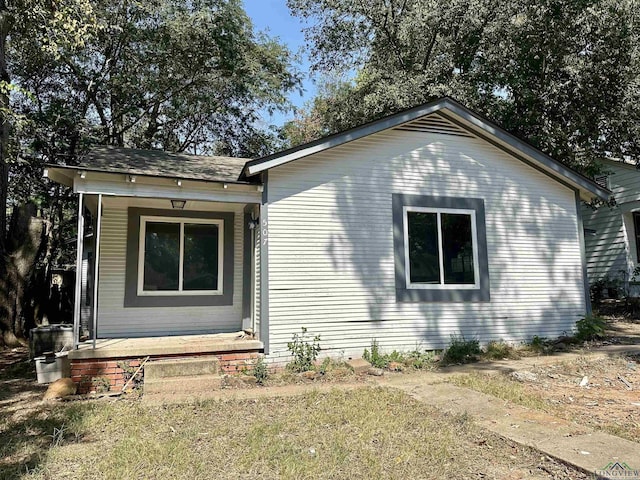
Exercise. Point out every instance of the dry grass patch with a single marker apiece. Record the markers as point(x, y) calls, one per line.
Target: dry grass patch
point(605, 402)
point(362, 433)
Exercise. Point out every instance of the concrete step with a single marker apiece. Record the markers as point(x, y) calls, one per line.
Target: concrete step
point(189, 385)
point(177, 368)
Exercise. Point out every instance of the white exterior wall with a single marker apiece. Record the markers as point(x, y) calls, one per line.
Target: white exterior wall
point(331, 257)
point(611, 250)
point(115, 321)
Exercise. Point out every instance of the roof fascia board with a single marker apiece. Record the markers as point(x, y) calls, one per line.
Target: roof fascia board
point(476, 124)
point(123, 172)
point(259, 165)
point(139, 190)
point(59, 176)
point(451, 110)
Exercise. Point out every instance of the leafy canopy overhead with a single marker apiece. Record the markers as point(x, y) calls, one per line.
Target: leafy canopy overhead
point(180, 76)
point(563, 74)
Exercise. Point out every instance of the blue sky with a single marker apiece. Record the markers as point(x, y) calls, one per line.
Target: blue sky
point(273, 17)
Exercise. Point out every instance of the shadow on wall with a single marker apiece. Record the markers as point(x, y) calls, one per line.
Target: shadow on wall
point(534, 258)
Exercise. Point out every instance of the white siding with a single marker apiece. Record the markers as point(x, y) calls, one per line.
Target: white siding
point(611, 250)
point(331, 261)
point(116, 321)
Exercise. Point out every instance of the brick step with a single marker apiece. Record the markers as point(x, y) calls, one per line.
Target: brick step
point(176, 368)
point(192, 385)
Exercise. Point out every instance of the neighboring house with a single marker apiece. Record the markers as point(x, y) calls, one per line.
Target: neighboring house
point(426, 224)
point(612, 232)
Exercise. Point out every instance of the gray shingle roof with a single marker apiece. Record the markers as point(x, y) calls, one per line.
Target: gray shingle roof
point(163, 164)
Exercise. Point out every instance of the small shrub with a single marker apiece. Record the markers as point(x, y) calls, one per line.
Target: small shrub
point(538, 345)
point(101, 384)
point(420, 360)
point(499, 350)
point(304, 351)
point(260, 371)
point(461, 350)
point(374, 357)
point(414, 359)
point(590, 327)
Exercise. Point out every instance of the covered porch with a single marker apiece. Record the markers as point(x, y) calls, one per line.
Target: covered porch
point(178, 345)
point(168, 257)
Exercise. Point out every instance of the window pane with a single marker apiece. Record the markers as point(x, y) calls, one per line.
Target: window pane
point(424, 266)
point(457, 247)
point(200, 257)
point(161, 256)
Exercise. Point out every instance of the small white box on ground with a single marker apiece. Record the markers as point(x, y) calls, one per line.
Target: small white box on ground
point(51, 368)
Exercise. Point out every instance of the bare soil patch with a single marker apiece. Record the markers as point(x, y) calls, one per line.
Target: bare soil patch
point(359, 433)
point(601, 393)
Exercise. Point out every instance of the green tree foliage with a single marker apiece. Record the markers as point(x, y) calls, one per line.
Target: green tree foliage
point(48, 26)
point(563, 74)
point(181, 76)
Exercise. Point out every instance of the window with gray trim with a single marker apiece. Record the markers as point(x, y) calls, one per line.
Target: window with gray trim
point(180, 256)
point(440, 249)
point(179, 259)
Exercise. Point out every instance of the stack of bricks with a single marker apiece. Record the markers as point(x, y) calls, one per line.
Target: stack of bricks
point(106, 374)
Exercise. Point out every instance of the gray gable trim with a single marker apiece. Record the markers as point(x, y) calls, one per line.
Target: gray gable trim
point(466, 118)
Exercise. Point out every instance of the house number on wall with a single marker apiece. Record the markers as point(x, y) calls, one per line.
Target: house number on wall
point(265, 232)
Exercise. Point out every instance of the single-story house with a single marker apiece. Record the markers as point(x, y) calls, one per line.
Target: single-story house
point(612, 232)
point(425, 224)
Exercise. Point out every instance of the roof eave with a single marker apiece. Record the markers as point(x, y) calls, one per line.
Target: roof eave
point(51, 169)
point(466, 118)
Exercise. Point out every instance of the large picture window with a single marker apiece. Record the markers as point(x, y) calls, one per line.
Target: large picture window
point(440, 249)
point(180, 256)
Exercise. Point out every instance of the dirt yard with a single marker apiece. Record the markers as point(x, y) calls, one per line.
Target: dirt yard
point(365, 432)
point(602, 393)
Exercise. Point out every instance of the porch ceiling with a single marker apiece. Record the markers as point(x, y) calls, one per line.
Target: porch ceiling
point(160, 346)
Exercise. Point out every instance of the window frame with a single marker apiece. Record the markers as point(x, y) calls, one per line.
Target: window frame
point(131, 297)
point(144, 219)
point(635, 216)
point(474, 239)
point(453, 293)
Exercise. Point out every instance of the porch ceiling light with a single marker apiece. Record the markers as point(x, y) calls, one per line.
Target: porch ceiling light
point(179, 204)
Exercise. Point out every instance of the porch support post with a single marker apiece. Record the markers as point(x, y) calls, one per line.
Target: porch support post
point(247, 269)
point(78, 285)
point(96, 263)
point(264, 264)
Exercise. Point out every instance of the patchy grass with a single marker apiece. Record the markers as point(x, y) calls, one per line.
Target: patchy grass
point(398, 361)
point(605, 403)
point(499, 350)
point(502, 387)
point(362, 433)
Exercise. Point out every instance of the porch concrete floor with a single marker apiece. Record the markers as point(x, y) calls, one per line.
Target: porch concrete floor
point(170, 345)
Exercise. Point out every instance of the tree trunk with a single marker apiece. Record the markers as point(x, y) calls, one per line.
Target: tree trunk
point(5, 126)
point(18, 275)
